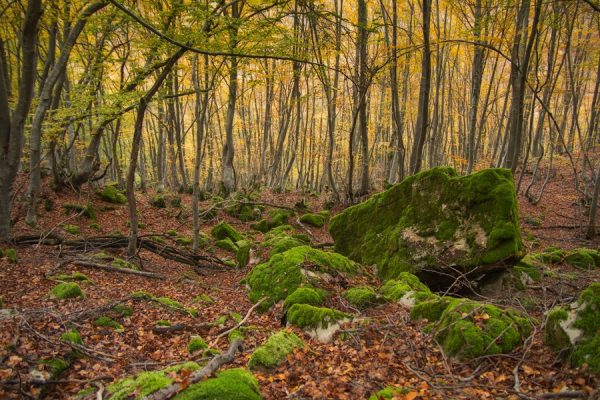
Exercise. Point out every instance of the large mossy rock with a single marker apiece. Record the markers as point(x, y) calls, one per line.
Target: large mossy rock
point(573, 330)
point(274, 351)
point(435, 224)
point(300, 266)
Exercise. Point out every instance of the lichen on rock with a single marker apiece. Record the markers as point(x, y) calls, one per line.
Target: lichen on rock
point(300, 266)
point(274, 350)
point(432, 219)
point(320, 322)
point(573, 330)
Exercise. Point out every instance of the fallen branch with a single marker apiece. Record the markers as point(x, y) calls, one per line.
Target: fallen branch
point(89, 264)
point(242, 322)
point(565, 395)
point(120, 242)
point(197, 376)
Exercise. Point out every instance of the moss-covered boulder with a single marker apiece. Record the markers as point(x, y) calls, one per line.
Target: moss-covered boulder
point(316, 220)
point(227, 244)
point(243, 252)
point(111, 194)
point(276, 218)
point(231, 384)
point(573, 330)
point(67, 290)
point(158, 201)
point(282, 239)
point(148, 382)
point(86, 211)
point(362, 296)
point(223, 231)
point(405, 289)
point(468, 329)
point(435, 219)
point(285, 272)
point(275, 350)
point(306, 295)
point(320, 322)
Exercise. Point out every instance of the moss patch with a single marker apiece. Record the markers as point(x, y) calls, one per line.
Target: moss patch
point(431, 219)
point(146, 383)
point(86, 211)
point(275, 350)
point(283, 273)
point(158, 201)
point(396, 289)
point(315, 220)
point(389, 393)
point(72, 229)
point(111, 194)
point(227, 244)
point(231, 384)
point(75, 276)
point(11, 254)
point(362, 297)
point(223, 231)
point(583, 258)
point(243, 253)
point(72, 336)
point(108, 322)
point(67, 290)
point(307, 316)
point(306, 295)
point(196, 343)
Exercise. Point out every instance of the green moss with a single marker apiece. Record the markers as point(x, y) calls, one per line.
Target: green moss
point(361, 297)
point(203, 298)
point(283, 273)
point(235, 334)
point(307, 316)
point(171, 232)
point(158, 201)
point(282, 243)
point(554, 335)
point(95, 226)
point(109, 323)
point(196, 343)
point(75, 276)
point(430, 310)
point(111, 194)
point(306, 295)
point(72, 229)
point(123, 310)
point(184, 241)
point(86, 211)
point(141, 295)
point(315, 220)
point(120, 263)
point(280, 230)
point(468, 329)
point(583, 258)
point(395, 289)
point(389, 393)
point(227, 244)
point(223, 231)
point(431, 219)
point(71, 336)
point(277, 218)
point(231, 384)
point(261, 226)
point(243, 252)
point(11, 254)
point(588, 352)
point(67, 290)
point(275, 350)
point(551, 255)
point(175, 201)
point(163, 322)
point(55, 367)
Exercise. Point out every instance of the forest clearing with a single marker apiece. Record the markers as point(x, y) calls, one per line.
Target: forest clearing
point(299, 199)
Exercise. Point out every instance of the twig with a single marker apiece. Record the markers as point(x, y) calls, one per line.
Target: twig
point(216, 339)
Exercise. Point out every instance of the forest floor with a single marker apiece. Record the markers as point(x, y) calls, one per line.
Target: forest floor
point(389, 350)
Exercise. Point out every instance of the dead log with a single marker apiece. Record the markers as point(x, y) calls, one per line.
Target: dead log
point(120, 242)
point(89, 264)
point(209, 369)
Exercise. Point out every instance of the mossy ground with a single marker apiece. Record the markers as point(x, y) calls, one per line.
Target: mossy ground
point(275, 350)
point(111, 194)
point(223, 231)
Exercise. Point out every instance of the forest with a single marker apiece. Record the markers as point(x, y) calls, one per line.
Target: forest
point(299, 199)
